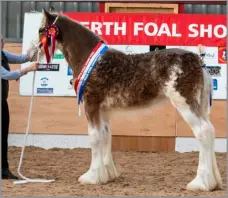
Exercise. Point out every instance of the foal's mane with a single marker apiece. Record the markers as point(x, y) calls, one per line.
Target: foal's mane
point(76, 40)
point(73, 27)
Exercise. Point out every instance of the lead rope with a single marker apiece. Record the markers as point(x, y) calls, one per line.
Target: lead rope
point(26, 180)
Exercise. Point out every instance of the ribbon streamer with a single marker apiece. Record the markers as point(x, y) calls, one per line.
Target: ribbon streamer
point(44, 41)
point(87, 69)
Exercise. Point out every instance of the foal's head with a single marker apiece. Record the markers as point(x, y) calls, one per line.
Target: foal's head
point(48, 18)
point(73, 39)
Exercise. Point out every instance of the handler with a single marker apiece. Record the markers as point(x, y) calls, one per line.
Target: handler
point(6, 75)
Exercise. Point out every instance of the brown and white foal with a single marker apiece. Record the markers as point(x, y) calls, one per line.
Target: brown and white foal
point(120, 81)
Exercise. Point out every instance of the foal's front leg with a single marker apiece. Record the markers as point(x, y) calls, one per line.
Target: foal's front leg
point(108, 159)
point(96, 173)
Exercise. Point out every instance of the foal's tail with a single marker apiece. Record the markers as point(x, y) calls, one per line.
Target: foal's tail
point(207, 93)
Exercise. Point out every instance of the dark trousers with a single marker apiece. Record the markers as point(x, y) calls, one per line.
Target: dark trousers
point(5, 132)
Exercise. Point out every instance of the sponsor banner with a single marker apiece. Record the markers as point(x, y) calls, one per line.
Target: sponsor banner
point(44, 81)
point(222, 55)
point(59, 56)
point(69, 71)
point(159, 29)
point(44, 86)
point(48, 67)
point(215, 84)
point(70, 84)
point(214, 70)
point(44, 90)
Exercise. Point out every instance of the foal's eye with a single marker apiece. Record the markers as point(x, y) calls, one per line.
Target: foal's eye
point(41, 30)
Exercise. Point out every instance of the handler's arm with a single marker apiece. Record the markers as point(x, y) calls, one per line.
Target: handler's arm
point(15, 58)
point(10, 75)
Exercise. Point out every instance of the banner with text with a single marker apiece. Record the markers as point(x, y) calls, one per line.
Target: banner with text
point(159, 29)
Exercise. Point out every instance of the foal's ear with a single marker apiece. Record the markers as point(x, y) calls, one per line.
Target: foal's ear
point(49, 18)
point(45, 13)
point(52, 9)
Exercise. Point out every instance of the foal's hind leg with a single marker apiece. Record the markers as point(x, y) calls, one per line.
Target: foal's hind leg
point(96, 173)
point(107, 150)
point(208, 177)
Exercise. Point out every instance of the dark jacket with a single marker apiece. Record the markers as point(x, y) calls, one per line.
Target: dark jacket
point(5, 83)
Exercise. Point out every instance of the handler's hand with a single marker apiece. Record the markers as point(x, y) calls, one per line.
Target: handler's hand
point(34, 66)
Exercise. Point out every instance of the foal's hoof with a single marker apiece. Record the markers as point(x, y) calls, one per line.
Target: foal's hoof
point(196, 185)
point(206, 184)
point(95, 176)
point(112, 172)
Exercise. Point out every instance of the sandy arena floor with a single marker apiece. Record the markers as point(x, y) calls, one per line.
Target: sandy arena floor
point(142, 173)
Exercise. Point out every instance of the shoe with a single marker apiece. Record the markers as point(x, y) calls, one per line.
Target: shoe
point(6, 174)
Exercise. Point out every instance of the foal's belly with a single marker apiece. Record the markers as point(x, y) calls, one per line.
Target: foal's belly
point(118, 104)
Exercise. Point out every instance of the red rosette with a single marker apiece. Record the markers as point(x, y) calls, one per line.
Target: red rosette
point(52, 30)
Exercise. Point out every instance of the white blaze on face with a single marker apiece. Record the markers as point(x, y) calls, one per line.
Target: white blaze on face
point(32, 50)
